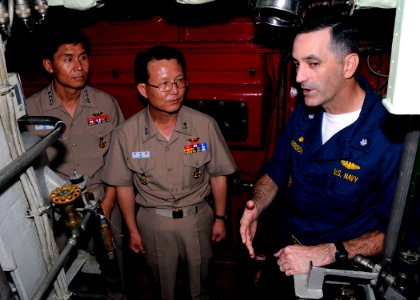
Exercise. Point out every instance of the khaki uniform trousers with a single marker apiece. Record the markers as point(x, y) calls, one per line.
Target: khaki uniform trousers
point(168, 241)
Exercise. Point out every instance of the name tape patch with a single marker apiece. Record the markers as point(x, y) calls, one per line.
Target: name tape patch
point(44, 127)
point(141, 154)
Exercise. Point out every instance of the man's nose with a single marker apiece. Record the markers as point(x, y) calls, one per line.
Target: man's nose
point(301, 74)
point(174, 86)
point(78, 65)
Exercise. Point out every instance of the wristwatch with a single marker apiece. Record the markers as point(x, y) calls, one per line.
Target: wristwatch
point(341, 254)
point(219, 217)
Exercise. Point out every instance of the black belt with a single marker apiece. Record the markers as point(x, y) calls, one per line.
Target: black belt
point(177, 213)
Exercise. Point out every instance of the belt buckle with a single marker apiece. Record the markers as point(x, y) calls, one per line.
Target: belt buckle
point(177, 214)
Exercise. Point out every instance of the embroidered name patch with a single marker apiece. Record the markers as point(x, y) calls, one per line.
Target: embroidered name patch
point(141, 154)
point(196, 147)
point(44, 127)
point(98, 120)
point(296, 146)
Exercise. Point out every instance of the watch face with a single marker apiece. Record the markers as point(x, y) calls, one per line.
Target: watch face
point(341, 257)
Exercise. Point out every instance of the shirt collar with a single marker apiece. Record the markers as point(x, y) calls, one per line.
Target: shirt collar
point(52, 101)
point(183, 123)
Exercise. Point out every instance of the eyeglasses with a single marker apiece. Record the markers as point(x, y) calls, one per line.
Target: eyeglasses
point(166, 86)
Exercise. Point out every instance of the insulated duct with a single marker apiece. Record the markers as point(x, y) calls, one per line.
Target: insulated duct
point(279, 13)
point(75, 4)
point(289, 13)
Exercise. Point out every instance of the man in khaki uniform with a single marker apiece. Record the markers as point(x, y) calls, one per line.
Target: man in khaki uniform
point(90, 116)
point(175, 157)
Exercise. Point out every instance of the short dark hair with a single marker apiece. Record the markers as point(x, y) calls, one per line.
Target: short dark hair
point(344, 32)
point(54, 37)
point(161, 52)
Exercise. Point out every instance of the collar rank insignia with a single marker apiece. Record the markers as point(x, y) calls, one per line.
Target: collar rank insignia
point(363, 142)
point(51, 100)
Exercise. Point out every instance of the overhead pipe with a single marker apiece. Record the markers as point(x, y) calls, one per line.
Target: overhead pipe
point(5, 290)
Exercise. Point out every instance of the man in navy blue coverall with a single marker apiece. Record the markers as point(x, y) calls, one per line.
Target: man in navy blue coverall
point(336, 163)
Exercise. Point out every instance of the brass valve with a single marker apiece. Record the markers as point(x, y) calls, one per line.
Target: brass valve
point(73, 220)
point(65, 194)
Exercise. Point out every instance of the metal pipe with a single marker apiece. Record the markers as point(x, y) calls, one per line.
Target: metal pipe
point(85, 296)
point(23, 161)
point(408, 157)
point(5, 290)
point(58, 265)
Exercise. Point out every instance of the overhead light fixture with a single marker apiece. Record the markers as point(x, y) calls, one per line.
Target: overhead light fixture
point(279, 13)
point(289, 13)
point(23, 10)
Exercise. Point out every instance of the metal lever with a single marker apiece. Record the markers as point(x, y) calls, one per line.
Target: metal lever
point(309, 286)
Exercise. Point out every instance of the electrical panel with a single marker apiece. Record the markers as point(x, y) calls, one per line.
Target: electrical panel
point(17, 94)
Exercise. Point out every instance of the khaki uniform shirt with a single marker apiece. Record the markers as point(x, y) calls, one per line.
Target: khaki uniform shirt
point(168, 174)
point(85, 142)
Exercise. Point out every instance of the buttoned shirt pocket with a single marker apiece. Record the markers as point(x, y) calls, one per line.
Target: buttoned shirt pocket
point(346, 191)
point(98, 140)
point(195, 168)
point(145, 172)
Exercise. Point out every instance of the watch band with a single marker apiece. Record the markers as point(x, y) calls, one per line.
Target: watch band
point(219, 217)
point(341, 254)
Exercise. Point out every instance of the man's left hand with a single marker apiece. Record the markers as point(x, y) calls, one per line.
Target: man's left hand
point(107, 209)
point(219, 230)
point(296, 259)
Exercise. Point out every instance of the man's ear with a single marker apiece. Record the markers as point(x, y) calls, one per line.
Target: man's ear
point(141, 87)
point(350, 64)
point(47, 65)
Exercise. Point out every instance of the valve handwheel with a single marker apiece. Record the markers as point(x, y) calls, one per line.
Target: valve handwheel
point(65, 194)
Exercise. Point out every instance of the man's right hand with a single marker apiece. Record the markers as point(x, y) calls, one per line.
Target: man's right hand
point(136, 243)
point(249, 225)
